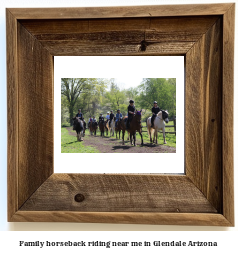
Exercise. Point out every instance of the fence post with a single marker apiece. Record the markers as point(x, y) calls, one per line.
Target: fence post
point(174, 120)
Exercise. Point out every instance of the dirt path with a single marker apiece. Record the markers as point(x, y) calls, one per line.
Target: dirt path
point(113, 145)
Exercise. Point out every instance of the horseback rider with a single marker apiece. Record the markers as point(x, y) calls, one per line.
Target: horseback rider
point(80, 115)
point(89, 121)
point(101, 118)
point(94, 119)
point(131, 112)
point(155, 111)
point(118, 116)
point(108, 117)
point(111, 117)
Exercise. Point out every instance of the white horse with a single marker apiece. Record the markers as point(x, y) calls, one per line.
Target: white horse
point(159, 124)
point(112, 127)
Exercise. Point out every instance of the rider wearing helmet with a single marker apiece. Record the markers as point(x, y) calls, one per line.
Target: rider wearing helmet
point(94, 119)
point(118, 116)
point(131, 112)
point(101, 118)
point(108, 116)
point(89, 121)
point(111, 117)
point(80, 115)
point(155, 111)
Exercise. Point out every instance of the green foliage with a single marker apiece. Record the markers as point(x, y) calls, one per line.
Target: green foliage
point(158, 89)
point(115, 99)
point(97, 95)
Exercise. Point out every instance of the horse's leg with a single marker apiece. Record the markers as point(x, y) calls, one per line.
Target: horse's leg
point(131, 137)
point(123, 133)
point(141, 138)
point(134, 136)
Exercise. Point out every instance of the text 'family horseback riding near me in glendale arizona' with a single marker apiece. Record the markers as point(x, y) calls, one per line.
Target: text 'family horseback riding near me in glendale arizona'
point(109, 244)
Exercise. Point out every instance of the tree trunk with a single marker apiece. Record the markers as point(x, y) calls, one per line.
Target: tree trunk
point(71, 114)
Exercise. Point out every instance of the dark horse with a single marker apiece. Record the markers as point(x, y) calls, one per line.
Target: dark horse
point(93, 128)
point(135, 125)
point(120, 127)
point(102, 128)
point(79, 127)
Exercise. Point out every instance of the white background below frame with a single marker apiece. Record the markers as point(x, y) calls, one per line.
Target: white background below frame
point(119, 66)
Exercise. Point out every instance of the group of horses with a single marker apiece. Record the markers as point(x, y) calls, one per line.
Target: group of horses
point(121, 127)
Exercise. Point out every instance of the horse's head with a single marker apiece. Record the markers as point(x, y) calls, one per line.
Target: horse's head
point(138, 114)
point(165, 115)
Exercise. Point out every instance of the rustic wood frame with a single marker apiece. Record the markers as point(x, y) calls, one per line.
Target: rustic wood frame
point(204, 34)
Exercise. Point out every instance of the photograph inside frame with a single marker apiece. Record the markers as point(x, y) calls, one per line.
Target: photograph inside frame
point(113, 118)
point(118, 115)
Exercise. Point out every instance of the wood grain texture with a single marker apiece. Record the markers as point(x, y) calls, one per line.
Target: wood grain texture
point(12, 114)
point(114, 193)
point(35, 114)
point(203, 124)
point(227, 113)
point(192, 219)
point(121, 11)
point(119, 36)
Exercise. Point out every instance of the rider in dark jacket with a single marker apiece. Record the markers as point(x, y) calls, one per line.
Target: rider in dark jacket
point(155, 110)
point(111, 117)
point(80, 115)
point(131, 112)
point(101, 118)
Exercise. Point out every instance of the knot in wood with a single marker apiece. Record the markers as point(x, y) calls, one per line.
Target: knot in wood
point(79, 198)
point(143, 45)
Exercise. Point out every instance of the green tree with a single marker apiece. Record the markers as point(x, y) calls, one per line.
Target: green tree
point(71, 88)
point(115, 98)
point(91, 102)
point(158, 89)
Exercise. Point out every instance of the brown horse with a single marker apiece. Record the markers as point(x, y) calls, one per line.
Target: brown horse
point(93, 128)
point(120, 126)
point(135, 125)
point(102, 128)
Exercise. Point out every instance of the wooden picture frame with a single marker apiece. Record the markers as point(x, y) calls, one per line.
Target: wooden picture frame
point(204, 34)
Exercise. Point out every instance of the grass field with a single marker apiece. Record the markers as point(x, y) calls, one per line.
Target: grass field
point(91, 144)
point(69, 144)
point(170, 138)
